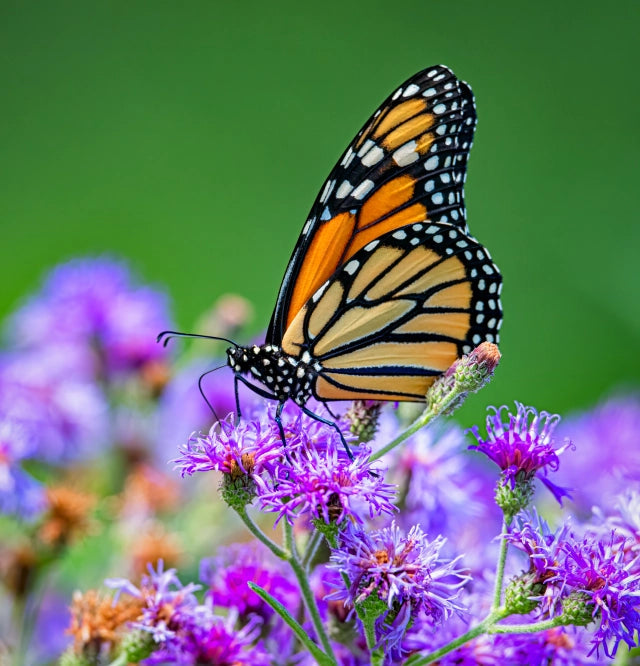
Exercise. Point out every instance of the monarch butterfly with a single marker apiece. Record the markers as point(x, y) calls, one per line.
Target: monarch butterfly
point(385, 287)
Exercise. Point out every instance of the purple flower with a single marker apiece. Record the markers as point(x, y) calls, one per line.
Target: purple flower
point(243, 448)
point(544, 548)
point(20, 494)
point(596, 569)
point(211, 639)
point(607, 440)
point(523, 446)
point(533, 536)
point(94, 303)
point(227, 574)
point(49, 404)
point(625, 519)
point(406, 573)
point(186, 632)
point(446, 490)
point(325, 484)
point(168, 605)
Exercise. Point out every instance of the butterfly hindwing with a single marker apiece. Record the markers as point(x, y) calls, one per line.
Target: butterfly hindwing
point(398, 313)
point(407, 165)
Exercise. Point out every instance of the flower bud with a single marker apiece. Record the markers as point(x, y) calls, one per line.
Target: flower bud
point(70, 658)
point(518, 594)
point(138, 645)
point(513, 500)
point(468, 374)
point(576, 609)
point(363, 416)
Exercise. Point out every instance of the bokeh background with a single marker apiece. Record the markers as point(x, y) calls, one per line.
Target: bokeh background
point(191, 138)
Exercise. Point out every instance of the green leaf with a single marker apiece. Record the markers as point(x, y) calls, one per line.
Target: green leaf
point(322, 658)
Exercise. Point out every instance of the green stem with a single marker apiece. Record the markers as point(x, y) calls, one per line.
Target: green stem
point(502, 558)
point(482, 628)
point(427, 416)
point(307, 593)
point(312, 548)
point(527, 628)
point(120, 660)
point(260, 535)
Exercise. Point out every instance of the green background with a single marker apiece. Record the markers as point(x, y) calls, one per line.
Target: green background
point(192, 138)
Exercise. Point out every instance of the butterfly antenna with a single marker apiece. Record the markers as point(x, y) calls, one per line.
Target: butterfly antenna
point(201, 389)
point(165, 336)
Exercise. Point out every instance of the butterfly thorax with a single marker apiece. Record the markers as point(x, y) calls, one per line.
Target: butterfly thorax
point(285, 376)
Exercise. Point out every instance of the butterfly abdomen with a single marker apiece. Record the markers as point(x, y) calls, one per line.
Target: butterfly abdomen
point(285, 376)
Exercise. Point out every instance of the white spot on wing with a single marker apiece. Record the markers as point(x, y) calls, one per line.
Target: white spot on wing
point(328, 188)
point(363, 189)
point(373, 156)
point(432, 163)
point(411, 90)
point(366, 147)
point(406, 154)
point(344, 189)
point(348, 158)
point(352, 266)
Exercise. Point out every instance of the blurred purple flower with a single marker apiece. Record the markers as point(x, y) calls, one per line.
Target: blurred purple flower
point(186, 632)
point(20, 494)
point(227, 574)
point(212, 639)
point(325, 484)
point(168, 604)
point(608, 452)
point(95, 303)
point(49, 407)
point(523, 446)
point(182, 409)
point(446, 490)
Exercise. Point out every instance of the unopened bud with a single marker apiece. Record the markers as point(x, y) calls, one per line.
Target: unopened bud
point(138, 645)
point(70, 658)
point(363, 416)
point(576, 610)
point(468, 374)
point(238, 491)
point(516, 499)
point(518, 594)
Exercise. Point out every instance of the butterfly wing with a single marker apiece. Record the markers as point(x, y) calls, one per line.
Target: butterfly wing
point(407, 165)
point(398, 314)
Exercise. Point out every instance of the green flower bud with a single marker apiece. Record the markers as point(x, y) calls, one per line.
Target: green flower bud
point(518, 592)
point(576, 610)
point(138, 645)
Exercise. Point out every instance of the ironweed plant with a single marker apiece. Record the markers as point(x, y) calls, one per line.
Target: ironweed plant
point(429, 545)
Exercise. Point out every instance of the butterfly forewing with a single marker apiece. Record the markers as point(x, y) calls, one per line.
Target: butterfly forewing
point(406, 166)
point(398, 313)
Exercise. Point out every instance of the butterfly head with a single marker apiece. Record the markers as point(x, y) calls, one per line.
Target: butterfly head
point(285, 376)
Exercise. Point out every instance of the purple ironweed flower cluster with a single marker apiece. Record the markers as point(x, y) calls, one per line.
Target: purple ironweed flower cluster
point(73, 348)
point(606, 438)
point(588, 577)
point(183, 631)
point(404, 572)
point(375, 559)
point(310, 475)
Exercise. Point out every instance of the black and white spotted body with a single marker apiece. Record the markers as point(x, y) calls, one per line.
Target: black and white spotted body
point(284, 376)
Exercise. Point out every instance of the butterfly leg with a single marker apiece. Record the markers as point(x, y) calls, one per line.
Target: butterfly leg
point(334, 425)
